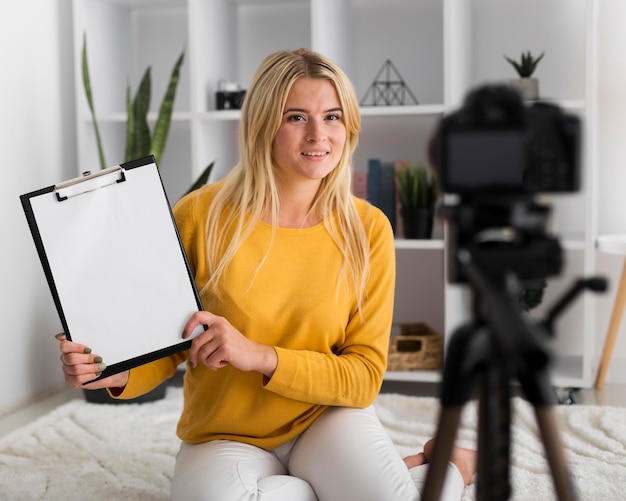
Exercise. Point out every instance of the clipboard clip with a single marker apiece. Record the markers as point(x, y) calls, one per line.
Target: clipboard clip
point(89, 182)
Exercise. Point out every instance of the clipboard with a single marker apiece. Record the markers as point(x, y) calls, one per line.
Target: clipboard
point(115, 264)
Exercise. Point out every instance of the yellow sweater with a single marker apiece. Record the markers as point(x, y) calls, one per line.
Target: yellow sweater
point(326, 355)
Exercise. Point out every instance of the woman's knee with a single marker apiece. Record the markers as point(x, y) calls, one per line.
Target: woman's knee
point(232, 471)
point(346, 454)
point(221, 470)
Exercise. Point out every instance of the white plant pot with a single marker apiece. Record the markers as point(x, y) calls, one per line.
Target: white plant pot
point(527, 87)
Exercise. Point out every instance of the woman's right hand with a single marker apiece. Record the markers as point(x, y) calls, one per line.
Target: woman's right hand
point(81, 366)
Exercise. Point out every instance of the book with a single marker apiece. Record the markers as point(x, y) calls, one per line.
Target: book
point(387, 192)
point(399, 165)
point(381, 188)
point(359, 184)
point(374, 167)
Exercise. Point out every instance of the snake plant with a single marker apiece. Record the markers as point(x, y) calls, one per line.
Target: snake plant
point(140, 141)
point(87, 85)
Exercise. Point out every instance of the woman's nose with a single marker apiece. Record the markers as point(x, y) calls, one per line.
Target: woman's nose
point(315, 132)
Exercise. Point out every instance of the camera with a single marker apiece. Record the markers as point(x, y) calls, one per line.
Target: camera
point(495, 153)
point(229, 100)
point(229, 96)
point(497, 144)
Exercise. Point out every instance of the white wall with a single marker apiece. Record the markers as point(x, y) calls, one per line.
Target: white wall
point(37, 147)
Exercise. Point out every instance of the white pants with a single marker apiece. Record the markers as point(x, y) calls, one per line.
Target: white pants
point(344, 455)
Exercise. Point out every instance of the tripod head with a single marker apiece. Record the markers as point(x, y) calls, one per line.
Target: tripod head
point(504, 234)
point(516, 339)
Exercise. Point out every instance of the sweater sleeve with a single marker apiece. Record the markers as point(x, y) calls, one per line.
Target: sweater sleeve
point(352, 374)
point(146, 377)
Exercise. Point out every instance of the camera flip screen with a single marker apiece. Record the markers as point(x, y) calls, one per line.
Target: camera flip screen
point(485, 160)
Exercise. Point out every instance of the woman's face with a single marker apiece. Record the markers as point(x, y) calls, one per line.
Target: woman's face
point(312, 133)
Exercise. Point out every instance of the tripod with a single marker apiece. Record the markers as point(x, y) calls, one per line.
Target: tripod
point(497, 346)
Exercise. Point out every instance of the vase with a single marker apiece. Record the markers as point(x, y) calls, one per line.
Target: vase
point(417, 223)
point(102, 396)
point(528, 87)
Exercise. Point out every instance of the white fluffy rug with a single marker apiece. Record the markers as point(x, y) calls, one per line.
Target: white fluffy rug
point(92, 452)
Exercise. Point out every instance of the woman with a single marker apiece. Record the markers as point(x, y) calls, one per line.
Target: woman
point(297, 280)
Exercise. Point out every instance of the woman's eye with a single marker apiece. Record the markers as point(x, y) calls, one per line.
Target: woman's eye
point(333, 116)
point(295, 118)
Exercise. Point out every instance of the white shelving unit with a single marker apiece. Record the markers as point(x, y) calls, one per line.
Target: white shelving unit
point(442, 48)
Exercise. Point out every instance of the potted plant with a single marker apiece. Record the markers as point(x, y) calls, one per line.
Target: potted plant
point(526, 84)
point(531, 293)
point(140, 140)
point(417, 192)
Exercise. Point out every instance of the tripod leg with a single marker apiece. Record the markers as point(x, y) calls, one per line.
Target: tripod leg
point(538, 393)
point(492, 480)
point(459, 376)
point(444, 442)
point(554, 452)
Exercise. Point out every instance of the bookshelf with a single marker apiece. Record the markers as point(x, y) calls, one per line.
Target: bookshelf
point(442, 48)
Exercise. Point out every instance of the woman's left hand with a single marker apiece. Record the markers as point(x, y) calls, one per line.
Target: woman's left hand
point(221, 345)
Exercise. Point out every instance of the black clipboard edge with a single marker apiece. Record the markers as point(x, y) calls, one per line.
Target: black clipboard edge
point(32, 223)
point(141, 360)
point(41, 251)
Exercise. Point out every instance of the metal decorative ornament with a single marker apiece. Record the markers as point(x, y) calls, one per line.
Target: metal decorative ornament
point(388, 88)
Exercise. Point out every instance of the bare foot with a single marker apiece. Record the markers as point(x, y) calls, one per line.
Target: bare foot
point(463, 459)
point(415, 460)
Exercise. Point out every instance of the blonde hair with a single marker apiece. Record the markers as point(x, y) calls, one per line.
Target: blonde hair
point(249, 191)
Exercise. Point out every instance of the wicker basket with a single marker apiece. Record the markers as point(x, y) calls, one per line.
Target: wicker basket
point(418, 347)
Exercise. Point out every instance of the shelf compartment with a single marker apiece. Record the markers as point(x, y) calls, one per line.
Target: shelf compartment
point(232, 38)
point(426, 110)
point(567, 373)
point(419, 292)
point(430, 244)
point(426, 376)
point(394, 137)
point(146, 34)
point(380, 31)
point(516, 26)
point(415, 110)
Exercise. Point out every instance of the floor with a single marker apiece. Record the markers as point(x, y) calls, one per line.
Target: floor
point(610, 395)
point(30, 412)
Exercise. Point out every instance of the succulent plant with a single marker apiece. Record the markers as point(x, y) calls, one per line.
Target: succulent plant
point(532, 293)
point(527, 64)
